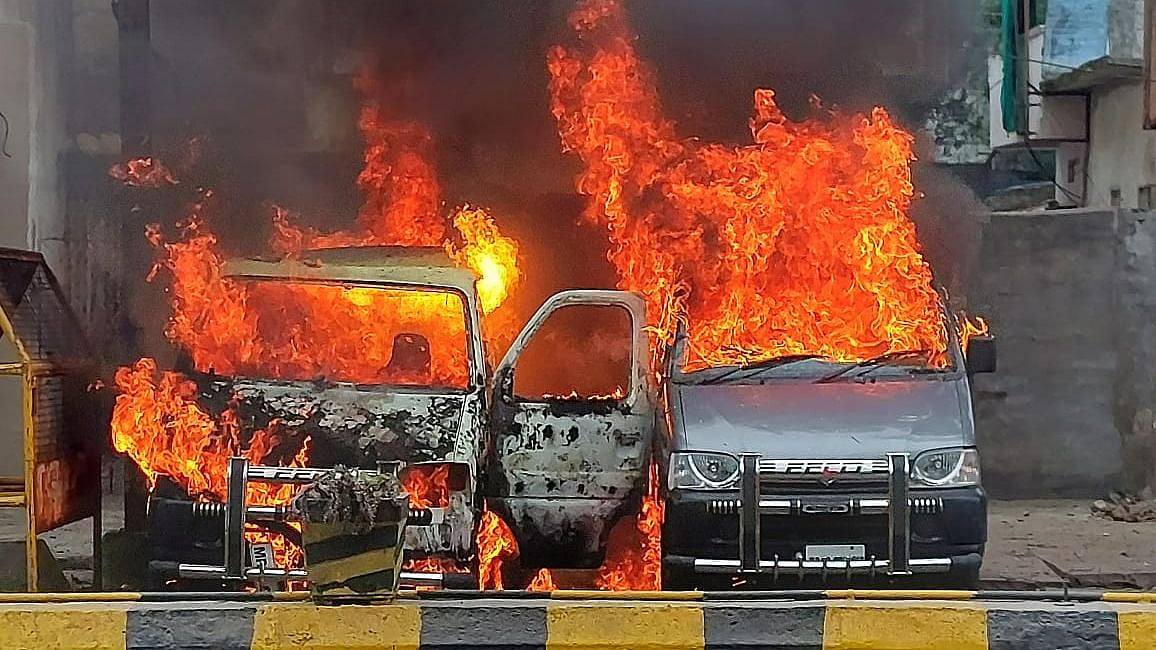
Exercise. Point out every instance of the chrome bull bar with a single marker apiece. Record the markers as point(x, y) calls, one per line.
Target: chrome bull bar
point(897, 506)
point(258, 574)
point(777, 568)
point(236, 513)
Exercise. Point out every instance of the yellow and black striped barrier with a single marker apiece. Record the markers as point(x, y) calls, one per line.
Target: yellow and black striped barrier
point(844, 620)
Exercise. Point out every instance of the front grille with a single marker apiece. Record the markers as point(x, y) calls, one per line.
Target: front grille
point(822, 476)
point(775, 488)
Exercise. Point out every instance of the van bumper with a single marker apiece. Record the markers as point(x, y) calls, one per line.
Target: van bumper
point(946, 531)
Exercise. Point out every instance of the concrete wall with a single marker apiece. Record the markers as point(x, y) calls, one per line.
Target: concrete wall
point(15, 82)
point(1071, 296)
point(31, 205)
point(1122, 154)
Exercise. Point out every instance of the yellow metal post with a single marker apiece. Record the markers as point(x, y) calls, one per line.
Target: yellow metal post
point(31, 565)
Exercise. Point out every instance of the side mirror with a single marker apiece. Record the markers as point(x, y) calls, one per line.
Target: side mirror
point(980, 355)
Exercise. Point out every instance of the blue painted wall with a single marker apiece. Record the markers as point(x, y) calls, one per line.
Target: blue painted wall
point(1077, 33)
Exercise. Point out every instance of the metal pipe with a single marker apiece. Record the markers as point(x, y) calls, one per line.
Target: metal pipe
point(270, 513)
point(296, 475)
point(749, 542)
point(898, 515)
point(422, 579)
point(234, 539)
point(854, 506)
point(210, 572)
point(805, 567)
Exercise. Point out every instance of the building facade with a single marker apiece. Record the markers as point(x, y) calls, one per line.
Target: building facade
point(1087, 102)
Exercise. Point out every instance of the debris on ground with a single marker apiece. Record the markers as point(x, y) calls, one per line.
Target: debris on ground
point(1125, 507)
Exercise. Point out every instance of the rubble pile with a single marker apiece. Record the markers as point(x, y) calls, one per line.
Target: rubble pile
point(1126, 507)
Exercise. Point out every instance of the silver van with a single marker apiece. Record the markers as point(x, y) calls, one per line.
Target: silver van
point(802, 470)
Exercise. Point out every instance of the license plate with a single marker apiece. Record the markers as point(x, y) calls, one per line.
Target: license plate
point(819, 552)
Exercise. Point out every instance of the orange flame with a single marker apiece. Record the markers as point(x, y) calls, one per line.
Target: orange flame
point(143, 172)
point(633, 553)
point(617, 394)
point(303, 331)
point(970, 327)
point(798, 243)
point(158, 423)
point(496, 545)
point(403, 207)
point(491, 255)
point(402, 195)
point(434, 565)
point(544, 581)
point(428, 486)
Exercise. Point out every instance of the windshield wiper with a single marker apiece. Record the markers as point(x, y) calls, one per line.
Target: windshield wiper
point(872, 363)
point(765, 364)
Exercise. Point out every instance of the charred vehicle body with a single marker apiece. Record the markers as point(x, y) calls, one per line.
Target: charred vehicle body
point(802, 469)
point(566, 467)
point(559, 470)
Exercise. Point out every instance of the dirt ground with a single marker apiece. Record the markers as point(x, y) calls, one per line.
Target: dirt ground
point(1024, 538)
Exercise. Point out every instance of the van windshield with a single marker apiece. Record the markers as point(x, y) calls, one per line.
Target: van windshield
point(304, 331)
point(818, 368)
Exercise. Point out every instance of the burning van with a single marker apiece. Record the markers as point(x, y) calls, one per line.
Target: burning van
point(801, 468)
point(404, 382)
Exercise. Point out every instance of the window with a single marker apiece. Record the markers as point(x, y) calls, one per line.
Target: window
point(581, 351)
point(1145, 196)
point(1114, 197)
point(356, 334)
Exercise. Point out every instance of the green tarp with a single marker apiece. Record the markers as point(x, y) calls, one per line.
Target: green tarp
point(1009, 44)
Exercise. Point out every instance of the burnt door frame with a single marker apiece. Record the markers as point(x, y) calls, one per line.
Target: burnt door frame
point(641, 387)
point(562, 472)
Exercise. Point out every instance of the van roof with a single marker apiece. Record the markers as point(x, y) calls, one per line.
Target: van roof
point(411, 266)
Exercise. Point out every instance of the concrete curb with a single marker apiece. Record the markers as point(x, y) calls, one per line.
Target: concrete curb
point(851, 624)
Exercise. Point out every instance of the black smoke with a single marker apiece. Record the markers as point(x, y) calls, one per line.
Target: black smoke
point(269, 84)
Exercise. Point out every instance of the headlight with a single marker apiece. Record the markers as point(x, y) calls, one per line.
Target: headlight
point(703, 471)
point(946, 468)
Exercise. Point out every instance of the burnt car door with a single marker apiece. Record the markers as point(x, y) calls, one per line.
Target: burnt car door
point(565, 465)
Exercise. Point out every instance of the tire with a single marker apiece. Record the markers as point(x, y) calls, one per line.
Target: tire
point(966, 579)
point(677, 578)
